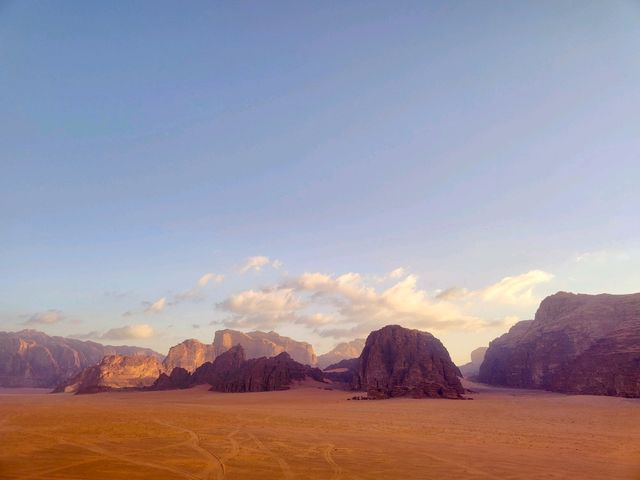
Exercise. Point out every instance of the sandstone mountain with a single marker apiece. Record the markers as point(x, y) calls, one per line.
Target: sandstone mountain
point(189, 355)
point(342, 351)
point(231, 372)
point(115, 372)
point(576, 344)
point(29, 358)
point(399, 362)
point(471, 369)
point(264, 344)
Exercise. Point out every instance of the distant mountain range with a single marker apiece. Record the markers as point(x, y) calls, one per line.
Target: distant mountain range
point(29, 358)
point(585, 344)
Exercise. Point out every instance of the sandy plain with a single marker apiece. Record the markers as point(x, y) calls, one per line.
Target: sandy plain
point(310, 433)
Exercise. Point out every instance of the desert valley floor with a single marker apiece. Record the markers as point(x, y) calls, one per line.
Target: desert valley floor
point(311, 433)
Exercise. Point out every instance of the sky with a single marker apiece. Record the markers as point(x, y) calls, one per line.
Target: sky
point(320, 169)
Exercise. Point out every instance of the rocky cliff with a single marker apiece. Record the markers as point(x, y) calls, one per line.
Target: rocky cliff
point(263, 344)
point(189, 355)
point(471, 369)
point(576, 344)
point(115, 372)
point(33, 359)
point(342, 351)
point(399, 362)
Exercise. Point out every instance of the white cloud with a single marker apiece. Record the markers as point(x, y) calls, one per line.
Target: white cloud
point(157, 306)
point(258, 262)
point(139, 331)
point(260, 308)
point(397, 273)
point(209, 277)
point(602, 256)
point(355, 308)
point(515, 290)
point(48, 317)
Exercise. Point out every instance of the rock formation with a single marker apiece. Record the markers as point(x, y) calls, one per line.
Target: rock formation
point(342, 351)
point(33, 359)
point(399, 362)
point(263, 344)
point(189, 355)
point(231, 372)
point(576, 344)
point(266, 374)
point(115, 372)
point(470, 370)
point(344, 372)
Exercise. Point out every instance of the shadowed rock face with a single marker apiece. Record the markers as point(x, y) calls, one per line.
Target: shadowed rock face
point(189, 355)
point(471, 369)
point(231, 372)
point(33, 359)
point(266, 374)
point(115, 372)
point(576, 344)
point(399, 362)
point(263, 344)
point(342, 351)
point(344, 372)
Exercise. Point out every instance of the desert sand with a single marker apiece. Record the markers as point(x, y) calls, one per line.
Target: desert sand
point(311, 433)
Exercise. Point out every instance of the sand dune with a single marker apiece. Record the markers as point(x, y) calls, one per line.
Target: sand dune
point(310, 433)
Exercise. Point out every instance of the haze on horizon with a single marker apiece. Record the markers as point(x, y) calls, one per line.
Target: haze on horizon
point(319, 169)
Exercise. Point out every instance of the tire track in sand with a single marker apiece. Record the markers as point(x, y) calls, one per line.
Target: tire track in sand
point(326, 453)
point(215, 468)
point(284, 466)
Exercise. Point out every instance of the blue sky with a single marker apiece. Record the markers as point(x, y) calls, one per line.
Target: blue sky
point(146, 144)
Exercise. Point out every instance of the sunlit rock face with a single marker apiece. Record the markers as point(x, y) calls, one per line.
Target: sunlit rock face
point(470, 370)
point(399, 362)
point(264, 344)
point(342, 351)
point(33, 359)
point(577, 343)
point(115, 372)
point(189, 355)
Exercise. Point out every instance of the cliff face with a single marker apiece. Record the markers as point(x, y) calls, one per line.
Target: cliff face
point(264, 344)
point(576, 344)
point(471, 369)
point(189, 355)
point(399, 362)
point(33, 359)
point(115, 372)
point(342, 351)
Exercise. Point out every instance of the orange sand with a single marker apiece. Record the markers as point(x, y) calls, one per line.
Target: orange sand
point(309, 433)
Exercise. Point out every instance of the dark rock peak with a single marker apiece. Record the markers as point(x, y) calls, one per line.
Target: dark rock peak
point(397, 361)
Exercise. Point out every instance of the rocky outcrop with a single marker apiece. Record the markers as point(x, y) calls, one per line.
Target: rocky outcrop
point(576, 344)
point(115, 372)
point(33, 359)
point(263, 344)
point(342, 351)
point(265, 374)
point(399, 362)
point(189, 355)
point(344, 372)
point(470, 370)
point(231, 372)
